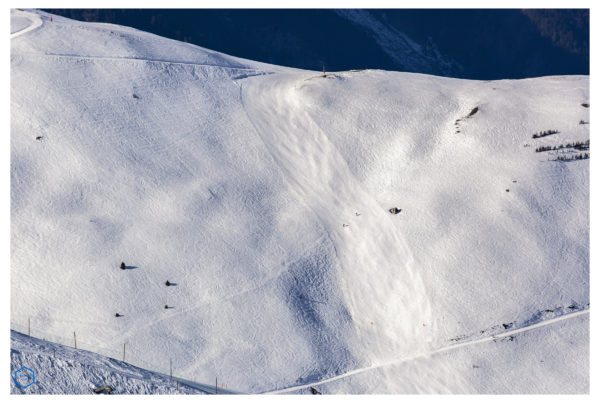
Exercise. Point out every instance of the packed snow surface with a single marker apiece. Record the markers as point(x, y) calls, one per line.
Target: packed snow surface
point(262, 193)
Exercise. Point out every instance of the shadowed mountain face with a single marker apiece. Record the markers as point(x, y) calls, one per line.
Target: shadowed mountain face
point(476, 44)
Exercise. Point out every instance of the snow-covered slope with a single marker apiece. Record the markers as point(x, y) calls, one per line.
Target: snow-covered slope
point(548, 357)
point(60, 369)
point(263, 194)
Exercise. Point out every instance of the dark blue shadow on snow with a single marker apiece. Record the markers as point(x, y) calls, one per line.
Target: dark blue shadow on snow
point(313, 297)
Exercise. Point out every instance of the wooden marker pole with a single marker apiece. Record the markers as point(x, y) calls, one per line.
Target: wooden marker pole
point(75, 338)
point(171, 370)
point(216, 387)
point(123, 352)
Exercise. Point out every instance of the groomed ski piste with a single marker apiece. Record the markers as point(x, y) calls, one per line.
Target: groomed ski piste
point(262, 194)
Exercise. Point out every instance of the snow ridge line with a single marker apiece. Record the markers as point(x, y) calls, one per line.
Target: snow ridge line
point(430, 353)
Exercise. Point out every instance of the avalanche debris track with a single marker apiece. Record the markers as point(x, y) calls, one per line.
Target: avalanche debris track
point(322, 179)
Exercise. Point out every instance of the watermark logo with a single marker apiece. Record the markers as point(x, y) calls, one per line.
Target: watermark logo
point(24, 377)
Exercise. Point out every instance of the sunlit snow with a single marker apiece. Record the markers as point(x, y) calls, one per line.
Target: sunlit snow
point(263, 193)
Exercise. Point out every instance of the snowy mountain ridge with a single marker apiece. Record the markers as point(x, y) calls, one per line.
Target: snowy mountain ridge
point(262, 194)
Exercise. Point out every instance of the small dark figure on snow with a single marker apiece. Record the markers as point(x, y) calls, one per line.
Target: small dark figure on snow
point(122, 265)
point(107, 390)
point(168, 283)
point(118, 315)
point(314, 391)
point(166, 306)
point(395, 210)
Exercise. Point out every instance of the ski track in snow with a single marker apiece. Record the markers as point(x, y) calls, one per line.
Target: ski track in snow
point(203, 304)
point(438, 351)
point(36, 21)
point(117, 366)
point(146, 60)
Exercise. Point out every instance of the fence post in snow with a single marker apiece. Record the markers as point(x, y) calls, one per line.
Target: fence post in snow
point(123, 352)
point(216, 388)
point(170, 370)
point(75, 338)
